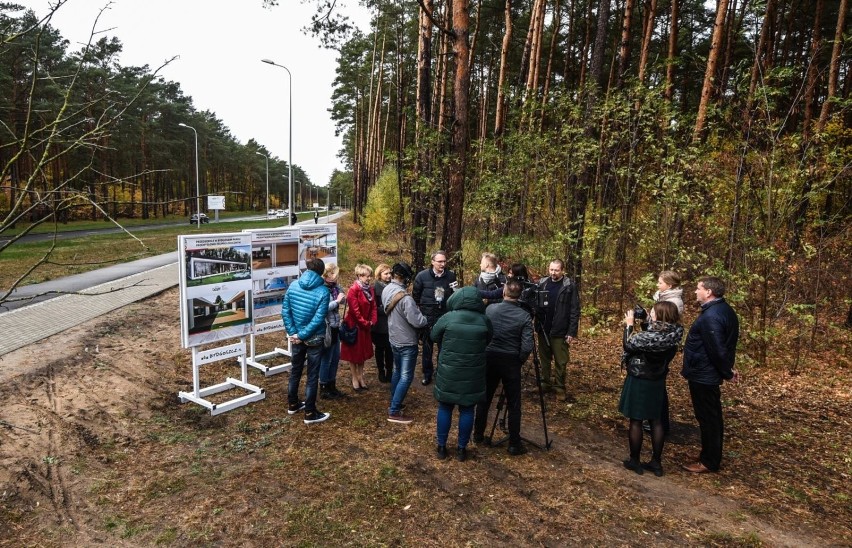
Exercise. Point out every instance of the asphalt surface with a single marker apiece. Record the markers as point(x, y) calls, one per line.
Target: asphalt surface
point(43, 237)
point(37, 293)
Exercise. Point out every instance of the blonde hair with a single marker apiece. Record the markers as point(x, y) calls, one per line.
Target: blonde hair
point(331, 270)
point(381, 269)
point(670, 277)
point(363, 270)
point(491, 258)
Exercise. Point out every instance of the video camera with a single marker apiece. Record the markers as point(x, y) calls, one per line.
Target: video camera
point(532, 297)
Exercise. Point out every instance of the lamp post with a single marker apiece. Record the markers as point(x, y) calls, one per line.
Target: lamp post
point(290, 158)
point(197, 187)
point(267, 180)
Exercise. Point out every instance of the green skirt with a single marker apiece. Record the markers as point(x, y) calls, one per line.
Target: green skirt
point(642, 399)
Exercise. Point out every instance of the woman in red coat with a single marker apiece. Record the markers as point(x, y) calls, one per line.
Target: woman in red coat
point(362, 314)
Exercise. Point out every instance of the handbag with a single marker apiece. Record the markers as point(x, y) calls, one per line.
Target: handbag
point(348, 334)
point(326, 341)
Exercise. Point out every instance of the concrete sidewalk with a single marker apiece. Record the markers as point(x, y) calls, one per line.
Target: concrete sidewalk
point(30, 324)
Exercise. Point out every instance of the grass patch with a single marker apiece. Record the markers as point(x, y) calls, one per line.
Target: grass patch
point(78, 255)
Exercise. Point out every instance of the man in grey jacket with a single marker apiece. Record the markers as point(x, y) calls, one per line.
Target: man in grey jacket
point(505, 356)
point(404, 321)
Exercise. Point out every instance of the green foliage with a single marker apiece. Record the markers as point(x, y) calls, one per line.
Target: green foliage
point(382, 212)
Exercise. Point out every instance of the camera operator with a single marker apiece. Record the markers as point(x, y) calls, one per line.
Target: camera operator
point(559, 323)
point(505, 355)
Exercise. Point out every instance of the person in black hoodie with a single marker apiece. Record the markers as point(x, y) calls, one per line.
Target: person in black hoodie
point(708, 360)
point(647, 356)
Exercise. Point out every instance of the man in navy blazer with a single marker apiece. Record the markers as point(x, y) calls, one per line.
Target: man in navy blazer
point(708, 360)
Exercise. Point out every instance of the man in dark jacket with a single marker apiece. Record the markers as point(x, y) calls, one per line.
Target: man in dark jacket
point(304, 310)
point(504, 357)
point(558, 324)
point(708, 359)
point(432, 289)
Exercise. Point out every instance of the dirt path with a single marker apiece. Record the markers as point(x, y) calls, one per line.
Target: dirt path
point(95, 449)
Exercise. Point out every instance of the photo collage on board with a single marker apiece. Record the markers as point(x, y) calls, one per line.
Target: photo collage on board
point(216, 286)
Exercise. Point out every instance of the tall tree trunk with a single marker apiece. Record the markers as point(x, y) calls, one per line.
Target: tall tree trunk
point(646, 38)
point(423, 121)
point(557, 22)
point(757, 67)
point(672, 53)
point(461, 137)
point(710, 72)
point(834, 68)
point(500, 114)
point(624, 49)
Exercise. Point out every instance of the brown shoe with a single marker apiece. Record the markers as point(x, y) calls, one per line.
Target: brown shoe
point(696, 468)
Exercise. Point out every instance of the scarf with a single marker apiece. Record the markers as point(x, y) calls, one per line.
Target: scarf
point(366, 289)
point(489, 277)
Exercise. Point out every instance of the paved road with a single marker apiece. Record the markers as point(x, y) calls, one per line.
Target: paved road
point(43, 237)
point(94, 293)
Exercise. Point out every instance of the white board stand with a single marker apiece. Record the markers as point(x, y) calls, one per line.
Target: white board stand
point(198, 394)
point(254, 360)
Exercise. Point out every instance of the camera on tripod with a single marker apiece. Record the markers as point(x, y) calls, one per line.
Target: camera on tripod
point(532, 297)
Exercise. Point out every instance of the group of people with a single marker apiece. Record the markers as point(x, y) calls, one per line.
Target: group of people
point(708, 360)
point(475, 338)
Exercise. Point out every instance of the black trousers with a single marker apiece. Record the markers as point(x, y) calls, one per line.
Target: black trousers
point(505, 368)
point(384, 353)
point(707, 404)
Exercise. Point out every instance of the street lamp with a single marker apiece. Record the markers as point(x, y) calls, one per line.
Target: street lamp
point(290, 159)
point(197, 187)
point(267, 179)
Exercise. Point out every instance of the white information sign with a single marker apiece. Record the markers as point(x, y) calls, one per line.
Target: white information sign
point(216, 202)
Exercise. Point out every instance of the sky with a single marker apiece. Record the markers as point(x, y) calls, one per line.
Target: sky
point(219, 48)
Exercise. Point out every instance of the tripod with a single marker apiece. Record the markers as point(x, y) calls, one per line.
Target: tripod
point(503, 410)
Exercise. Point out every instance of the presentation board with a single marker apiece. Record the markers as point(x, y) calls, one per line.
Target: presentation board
point(215, 287)
point(317, 242)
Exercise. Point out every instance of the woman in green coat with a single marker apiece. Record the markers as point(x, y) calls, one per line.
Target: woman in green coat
point(462, 333)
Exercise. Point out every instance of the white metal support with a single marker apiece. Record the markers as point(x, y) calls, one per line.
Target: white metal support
point(255, 360)
point(199, 395)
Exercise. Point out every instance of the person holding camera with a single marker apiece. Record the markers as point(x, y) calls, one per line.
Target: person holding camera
point(647, 356)
point(432, 289)
point(559, 323)
point(510, 347)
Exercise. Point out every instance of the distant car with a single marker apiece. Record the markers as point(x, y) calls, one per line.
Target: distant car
point(270, 213)
point(280, 214)
point(194, 219)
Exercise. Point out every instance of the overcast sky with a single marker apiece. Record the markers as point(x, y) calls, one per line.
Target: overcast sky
point(219, 48)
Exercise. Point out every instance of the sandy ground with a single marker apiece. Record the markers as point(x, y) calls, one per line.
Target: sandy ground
point(85, 459)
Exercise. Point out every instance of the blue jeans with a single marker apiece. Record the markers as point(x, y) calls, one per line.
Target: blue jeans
point(330, 360)
point(445, 420)
point(404, 361)
point(297, 361)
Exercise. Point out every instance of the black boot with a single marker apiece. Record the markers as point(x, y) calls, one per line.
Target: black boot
point(323, 391)
point(335, 393)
